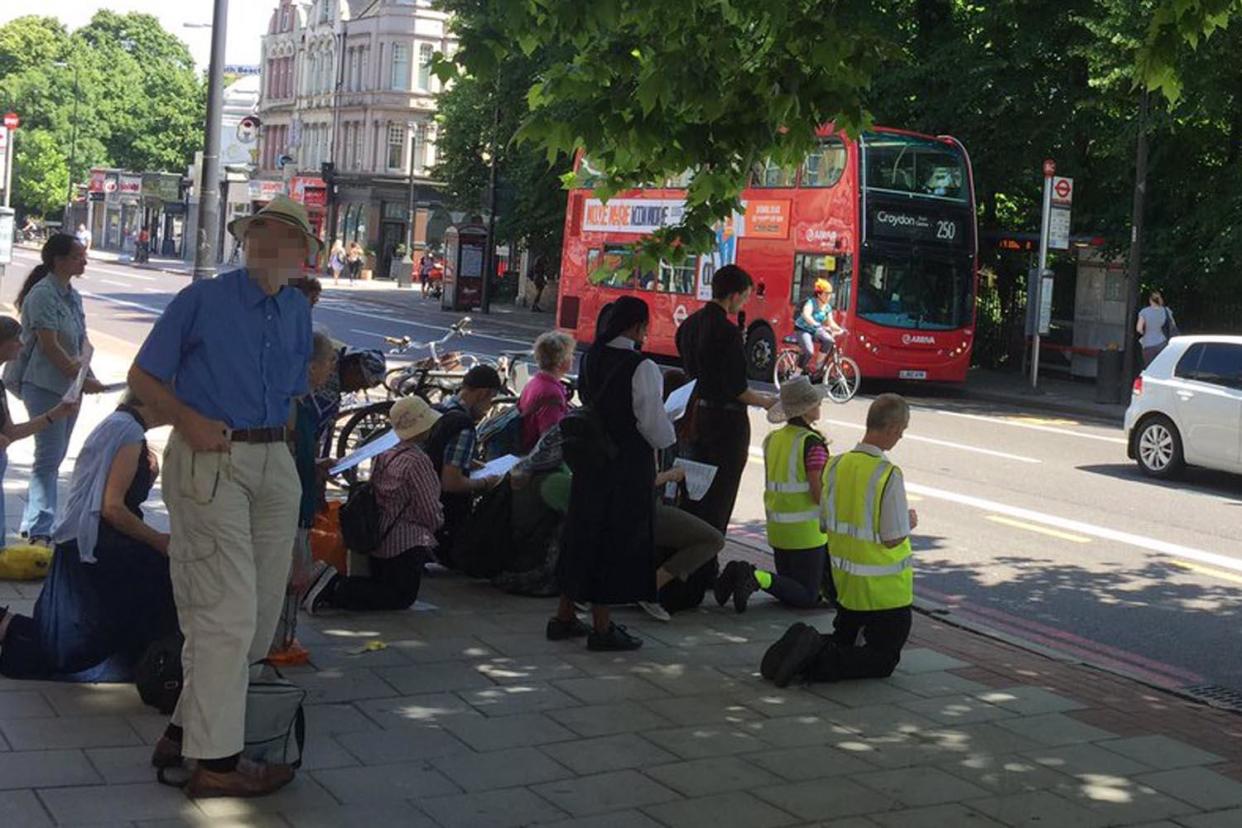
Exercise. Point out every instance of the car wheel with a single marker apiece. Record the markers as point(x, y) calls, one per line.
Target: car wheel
point(1158, 448)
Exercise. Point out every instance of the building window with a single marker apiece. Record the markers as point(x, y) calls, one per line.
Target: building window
point(364, 53)
point(400, 67)
point(325, 10)
point(396, 143)
point(420, 149)
point(360, 137)
point(425, 51)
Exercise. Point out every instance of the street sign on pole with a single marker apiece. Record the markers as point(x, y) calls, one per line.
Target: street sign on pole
point(11, 121)
point(1059, 228)
point(1062, 191)
point(1045, 303)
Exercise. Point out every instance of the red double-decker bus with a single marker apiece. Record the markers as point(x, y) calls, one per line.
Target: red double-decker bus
point(888, 218)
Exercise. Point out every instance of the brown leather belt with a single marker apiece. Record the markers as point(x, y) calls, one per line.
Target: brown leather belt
point(276, 434)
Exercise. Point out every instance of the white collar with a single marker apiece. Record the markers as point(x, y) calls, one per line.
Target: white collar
point(624, 343)
point(874, 451)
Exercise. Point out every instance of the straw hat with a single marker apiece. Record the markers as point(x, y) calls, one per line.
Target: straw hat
point(798, 396)
point(411, 416)
point(282, 209)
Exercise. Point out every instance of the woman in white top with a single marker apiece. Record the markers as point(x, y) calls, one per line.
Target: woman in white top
point(1151, 323)
point(608, 546)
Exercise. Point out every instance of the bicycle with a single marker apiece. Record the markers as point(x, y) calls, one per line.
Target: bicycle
point(838, 374)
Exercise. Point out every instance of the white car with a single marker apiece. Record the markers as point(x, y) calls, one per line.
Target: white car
point(1186, 407)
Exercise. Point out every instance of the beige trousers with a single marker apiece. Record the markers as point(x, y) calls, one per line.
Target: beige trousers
point(234, 517)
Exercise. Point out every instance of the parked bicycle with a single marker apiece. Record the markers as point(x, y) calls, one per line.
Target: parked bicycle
point(838, 373)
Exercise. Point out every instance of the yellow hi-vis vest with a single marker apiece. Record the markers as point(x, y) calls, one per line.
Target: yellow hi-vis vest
point(868, 575)
point(793, 517)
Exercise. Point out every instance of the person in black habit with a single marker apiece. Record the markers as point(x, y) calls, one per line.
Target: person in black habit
point(717, 427)
point(608, 543)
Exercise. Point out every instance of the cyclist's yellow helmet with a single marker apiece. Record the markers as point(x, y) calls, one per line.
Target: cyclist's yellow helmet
point(823, 286)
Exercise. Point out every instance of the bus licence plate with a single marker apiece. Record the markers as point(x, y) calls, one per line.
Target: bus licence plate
point(912, 375)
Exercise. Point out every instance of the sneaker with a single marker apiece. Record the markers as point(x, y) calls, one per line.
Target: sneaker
point(249, 779)
point(744, 586)
point(615, 640)
point(322, 574)
point(726, 581)
point(559, 630)
point(802, 648)
point(767, 667)
point(167, 754)
point(656, 611)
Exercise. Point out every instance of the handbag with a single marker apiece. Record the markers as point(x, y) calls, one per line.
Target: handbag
point(1169, 327)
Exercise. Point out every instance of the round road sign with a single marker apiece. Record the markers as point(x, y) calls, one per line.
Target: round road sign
point(1050, 168)
point(679, 314)
point(11, 121)
point(1062, 188)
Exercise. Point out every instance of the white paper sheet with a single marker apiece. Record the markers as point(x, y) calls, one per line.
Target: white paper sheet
point(699, 477)
point(675, 405)
point(374, 448)
point(496, 468)
point(75, 388)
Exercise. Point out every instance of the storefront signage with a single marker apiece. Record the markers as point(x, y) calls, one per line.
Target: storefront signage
point(112, 183)
point(924, 227)
point(97, 181)
point(130, 185)
point(263, 190)
point(309, 190)
point(161, 186)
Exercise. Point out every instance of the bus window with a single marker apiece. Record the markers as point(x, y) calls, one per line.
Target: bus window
point(768, 174)
point(677, 278)
point(588, 176)
point(914, 166)
point(808, 268)
point(899, 290)
point(825, 166)
point(604, 268)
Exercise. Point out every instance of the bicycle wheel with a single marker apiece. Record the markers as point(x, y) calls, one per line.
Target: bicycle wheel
point(361, 428)
point(787, 366)
point(841, 379)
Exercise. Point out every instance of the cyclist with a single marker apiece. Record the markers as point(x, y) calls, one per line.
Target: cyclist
point(814, 323)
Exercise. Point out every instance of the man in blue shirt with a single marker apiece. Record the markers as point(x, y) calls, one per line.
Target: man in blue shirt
point(224, 364)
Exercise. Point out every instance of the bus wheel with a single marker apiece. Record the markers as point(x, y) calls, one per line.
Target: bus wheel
point(760, 352)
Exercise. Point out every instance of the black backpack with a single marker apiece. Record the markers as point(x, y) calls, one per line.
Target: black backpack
point(361, 517)
point(585, 442)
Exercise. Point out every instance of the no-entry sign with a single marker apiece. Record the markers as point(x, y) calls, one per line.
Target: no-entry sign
point(11, 121)
point(1062, 191)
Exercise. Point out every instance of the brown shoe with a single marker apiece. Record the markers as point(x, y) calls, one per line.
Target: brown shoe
point(250, 779)
point(167, 754)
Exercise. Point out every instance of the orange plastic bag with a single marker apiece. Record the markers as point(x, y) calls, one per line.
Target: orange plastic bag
point(325, 537)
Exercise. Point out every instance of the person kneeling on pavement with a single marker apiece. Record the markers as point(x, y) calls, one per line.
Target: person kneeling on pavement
point(408, 493)
point(108, 595)
point(794, 458)
point(868, 524)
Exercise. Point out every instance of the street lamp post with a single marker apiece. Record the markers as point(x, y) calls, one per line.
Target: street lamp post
point(73, 141)
point(408, 262)
point(209, 183)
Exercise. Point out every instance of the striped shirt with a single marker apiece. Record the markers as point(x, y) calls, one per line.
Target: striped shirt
point(408, 492)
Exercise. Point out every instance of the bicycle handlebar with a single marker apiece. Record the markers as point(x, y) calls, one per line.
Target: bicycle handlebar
point(401, 344)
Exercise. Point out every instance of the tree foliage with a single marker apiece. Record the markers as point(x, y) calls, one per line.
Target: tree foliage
point(122, 85)
point(44, 180)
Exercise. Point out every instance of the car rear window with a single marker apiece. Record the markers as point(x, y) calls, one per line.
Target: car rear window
point(1221, 364)
point(1189, 362)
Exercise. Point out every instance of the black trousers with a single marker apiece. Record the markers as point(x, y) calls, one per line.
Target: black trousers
point(392, 585)
point(722, 439)
point(883, 632)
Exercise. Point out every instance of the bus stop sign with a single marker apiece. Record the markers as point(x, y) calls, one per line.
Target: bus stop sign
point(11, 121)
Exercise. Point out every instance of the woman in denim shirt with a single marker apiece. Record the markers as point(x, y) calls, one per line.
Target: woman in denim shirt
point(53, 336)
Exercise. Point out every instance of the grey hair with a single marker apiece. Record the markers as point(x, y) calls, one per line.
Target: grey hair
point(888, 411)
point(10, 328)
point(552, 349)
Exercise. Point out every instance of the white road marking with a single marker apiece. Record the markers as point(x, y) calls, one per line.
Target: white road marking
point(118, 284)
point(1160, 547)
point(1031, 426)
point(123, 302)
point(1004, 455)
point(441, 328)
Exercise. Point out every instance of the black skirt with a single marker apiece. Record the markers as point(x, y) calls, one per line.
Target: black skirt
point(608, 542)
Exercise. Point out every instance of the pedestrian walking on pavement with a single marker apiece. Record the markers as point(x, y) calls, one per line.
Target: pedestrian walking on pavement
point(608, 545)
point(11, 432)
point(540, 279)
point(1155, 327)
point(794, 458)
point(107, 596)
point(83, 237)
point(717, 428)
point(224, 363)
point(868, 523)
point(53, 339)
point(336, 261)
point(353, 261)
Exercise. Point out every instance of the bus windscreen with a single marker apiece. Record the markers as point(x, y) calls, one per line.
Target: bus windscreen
point(919, 292)
point(908, 165)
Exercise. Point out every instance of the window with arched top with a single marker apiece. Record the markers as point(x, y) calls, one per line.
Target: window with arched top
point(826, 164)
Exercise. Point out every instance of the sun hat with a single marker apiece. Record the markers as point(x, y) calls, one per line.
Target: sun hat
point(411, 416)
point(286, 211)
point(798, 396)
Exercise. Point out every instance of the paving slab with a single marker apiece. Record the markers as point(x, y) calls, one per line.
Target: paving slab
point(821, 798)
point(500, 769)
point(796, 731)
point(864, 693)
point(397, 814)
point(122, 765)
point(606, 689)
point(1221, 819)
point(439, 677)
point(608, 753)
point(726, 810)
point(88, 803)
point(1003, 775)
point(1055, 729)
point(1201, 787)
point(334, 719)
point(490, 809)
point(1028, 701)
point(1161, 752)
point(68, 732)
point(916, 787)
point(1038, 809)
point(24, 704)
point(1087, 760)
point(922, 660)
point(512, 699)
point(21, 809)
point(303, 791)
point(344, 685)
point(812, 762)
point(710, 709)
point(605, 792)
point(936, 816)
point(522, 730)
point(367, 786)
point(958, 709)
point(607, 719)
point(95, 700)
point(929, 685)
point(46, 769)
point(615, 819)
point(385, 747)
point(702, 777)
point(702, 741)
point(525, 669)
point(415, 711)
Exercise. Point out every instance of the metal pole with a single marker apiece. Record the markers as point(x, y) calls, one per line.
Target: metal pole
point(1039, 278)
point(73, 143)
point(209, 184)
point(9, 161)
point(489, 254)
point(409, 235)
point(1135, 268)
